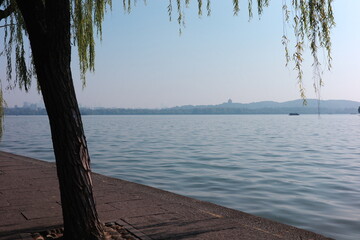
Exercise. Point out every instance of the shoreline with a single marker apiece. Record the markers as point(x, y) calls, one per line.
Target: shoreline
point(29, 189)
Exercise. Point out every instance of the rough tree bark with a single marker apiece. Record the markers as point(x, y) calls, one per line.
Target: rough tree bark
point(48, 26)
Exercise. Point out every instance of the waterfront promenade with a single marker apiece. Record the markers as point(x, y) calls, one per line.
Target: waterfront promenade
point(30, 202)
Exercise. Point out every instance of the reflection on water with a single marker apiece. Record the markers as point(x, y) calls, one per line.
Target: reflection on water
point(302, 171)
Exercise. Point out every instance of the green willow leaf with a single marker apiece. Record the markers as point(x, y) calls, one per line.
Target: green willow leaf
point(312, 21)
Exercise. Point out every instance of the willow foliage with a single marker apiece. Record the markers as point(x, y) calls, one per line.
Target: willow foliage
point(2, 103)
point(312, 21)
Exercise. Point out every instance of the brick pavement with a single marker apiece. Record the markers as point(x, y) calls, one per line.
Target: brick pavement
point(30, 202)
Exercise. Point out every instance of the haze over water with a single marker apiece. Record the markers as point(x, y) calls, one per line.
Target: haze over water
point(302, 171)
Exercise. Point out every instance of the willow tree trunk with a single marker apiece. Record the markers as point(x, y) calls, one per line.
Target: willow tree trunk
point(48, 26)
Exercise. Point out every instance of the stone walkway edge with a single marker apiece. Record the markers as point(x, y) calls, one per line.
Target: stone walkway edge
point(30, 202)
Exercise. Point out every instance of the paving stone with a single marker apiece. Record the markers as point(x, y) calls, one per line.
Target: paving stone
point(240, 233)
point(30, 202)
point(155, 220)
point(11, 217)
point(105, 207)
point(136, 209)
point(15, 236)
point(183, 229)
point(4, 203)
point(43, 211)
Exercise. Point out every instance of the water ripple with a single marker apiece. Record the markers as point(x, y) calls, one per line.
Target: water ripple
point(302, 171)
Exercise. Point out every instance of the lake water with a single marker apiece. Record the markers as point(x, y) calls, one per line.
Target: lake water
point(299, 170)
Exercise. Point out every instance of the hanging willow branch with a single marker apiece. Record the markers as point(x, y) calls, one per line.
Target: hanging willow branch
point(2, 105)
point(312, 21)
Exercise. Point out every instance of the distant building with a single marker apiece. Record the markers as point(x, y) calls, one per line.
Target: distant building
point(31, 106)
point(229, 101)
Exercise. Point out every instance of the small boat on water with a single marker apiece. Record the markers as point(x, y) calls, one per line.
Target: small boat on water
point(294, 114)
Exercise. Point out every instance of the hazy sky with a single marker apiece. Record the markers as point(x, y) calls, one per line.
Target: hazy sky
point(142, 61)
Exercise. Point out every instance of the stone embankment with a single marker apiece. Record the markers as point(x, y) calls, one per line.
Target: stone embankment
point(30, 203)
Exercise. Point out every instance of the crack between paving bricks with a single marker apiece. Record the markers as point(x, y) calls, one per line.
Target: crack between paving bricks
point(262, 230)
point(132, 229)
point(195, 233)
point(24, 216)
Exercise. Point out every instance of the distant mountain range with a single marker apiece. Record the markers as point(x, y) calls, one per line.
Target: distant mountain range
point(271, 107)
point(266, 107)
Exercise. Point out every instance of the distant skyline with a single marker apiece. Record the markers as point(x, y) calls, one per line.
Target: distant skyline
point(142, 61)
point(229, 107)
